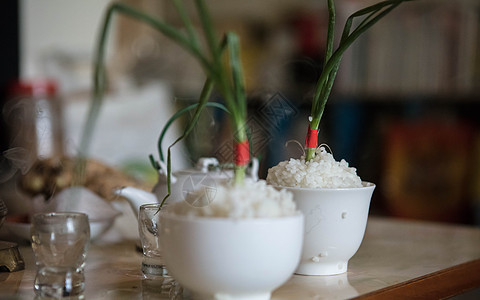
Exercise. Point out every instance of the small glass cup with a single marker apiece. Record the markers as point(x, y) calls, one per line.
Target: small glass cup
point(149, 228)
point(163, 288)
point(60, 243)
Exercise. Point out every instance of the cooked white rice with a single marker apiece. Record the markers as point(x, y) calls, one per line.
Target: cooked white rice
point(321, 172)
point(253, 199)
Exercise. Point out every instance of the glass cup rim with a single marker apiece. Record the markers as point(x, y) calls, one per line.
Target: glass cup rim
point(63, 214)
point(152, 205)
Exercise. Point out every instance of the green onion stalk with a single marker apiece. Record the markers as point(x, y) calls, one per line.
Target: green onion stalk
point(369, 16)
point(169, 123)
point(224, 74)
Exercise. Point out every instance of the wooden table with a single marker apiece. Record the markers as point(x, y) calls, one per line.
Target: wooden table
point(397, 259)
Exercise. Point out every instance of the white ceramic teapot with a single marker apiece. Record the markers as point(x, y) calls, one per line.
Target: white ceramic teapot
point(207, 173)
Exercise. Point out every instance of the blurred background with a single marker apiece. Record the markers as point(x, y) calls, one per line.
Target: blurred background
point(404, 110)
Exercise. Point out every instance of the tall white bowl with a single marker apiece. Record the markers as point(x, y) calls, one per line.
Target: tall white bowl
point(220, 258)
point(335, 222)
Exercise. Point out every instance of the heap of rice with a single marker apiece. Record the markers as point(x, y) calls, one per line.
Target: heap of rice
point(321, 172)
point(253, 199)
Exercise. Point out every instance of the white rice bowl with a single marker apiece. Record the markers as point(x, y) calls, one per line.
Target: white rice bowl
point(321, 172)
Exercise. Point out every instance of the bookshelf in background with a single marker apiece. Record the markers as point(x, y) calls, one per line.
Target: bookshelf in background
point(422, 48)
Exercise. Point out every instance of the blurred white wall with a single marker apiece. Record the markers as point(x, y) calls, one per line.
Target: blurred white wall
point(57, 41)
point(53, 25)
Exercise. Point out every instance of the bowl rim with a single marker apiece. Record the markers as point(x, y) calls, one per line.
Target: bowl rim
point(201, 219)
point(366, 186)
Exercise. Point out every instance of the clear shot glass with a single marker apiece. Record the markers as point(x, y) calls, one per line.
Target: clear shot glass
point(153, 266)
point(60, 243)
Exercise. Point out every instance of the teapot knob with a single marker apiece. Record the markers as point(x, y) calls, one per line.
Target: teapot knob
point(205, 162)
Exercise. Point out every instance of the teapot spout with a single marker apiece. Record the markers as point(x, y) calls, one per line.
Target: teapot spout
point(136, 197)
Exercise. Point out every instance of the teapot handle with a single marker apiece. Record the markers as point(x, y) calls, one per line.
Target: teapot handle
point(252, 169)
point(162, 173)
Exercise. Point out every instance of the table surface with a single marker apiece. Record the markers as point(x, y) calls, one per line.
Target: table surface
point(397, 258)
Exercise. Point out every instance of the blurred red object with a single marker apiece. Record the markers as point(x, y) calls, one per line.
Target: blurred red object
point(426, 170)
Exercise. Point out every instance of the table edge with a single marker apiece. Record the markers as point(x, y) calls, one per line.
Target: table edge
point(441, 284)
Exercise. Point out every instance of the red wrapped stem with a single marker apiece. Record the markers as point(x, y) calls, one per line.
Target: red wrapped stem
point(242, 153)
point(311, 140)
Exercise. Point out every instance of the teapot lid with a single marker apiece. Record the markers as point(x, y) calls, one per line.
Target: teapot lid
point(210, 166)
